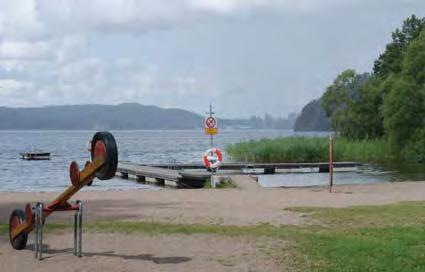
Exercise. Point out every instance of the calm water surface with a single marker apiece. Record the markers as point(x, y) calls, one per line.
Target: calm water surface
point(143, 147)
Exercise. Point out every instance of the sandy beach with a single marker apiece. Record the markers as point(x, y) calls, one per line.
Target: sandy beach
point(248, 204)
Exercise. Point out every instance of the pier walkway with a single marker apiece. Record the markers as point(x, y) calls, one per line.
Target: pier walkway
point(162, 176)
point(192, 175)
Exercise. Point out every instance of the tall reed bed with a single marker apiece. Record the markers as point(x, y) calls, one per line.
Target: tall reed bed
point(310, 149)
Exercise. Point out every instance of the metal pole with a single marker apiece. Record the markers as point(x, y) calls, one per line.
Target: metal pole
point(36, 232)
point(331, 162)
point(211, 136)
point(78, 229)
point(38, 247)
point(41, 231)
point(75, 232)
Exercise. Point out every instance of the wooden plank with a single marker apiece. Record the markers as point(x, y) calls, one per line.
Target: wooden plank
point(149, 171)
point(239, 166)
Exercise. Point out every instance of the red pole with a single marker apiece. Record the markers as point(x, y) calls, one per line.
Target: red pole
point(331, 162)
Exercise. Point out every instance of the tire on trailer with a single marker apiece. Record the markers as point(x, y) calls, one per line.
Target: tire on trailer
point(17, 217)
point(103, 143)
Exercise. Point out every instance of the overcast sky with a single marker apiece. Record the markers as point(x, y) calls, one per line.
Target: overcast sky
point(245, 56)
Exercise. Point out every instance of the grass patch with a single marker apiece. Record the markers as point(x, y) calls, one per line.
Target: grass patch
point(224, 183)
point(310, 149)
point(400, 214)
point(156, 228)
point(365, 249)
point(4, 228)
point(365, 238)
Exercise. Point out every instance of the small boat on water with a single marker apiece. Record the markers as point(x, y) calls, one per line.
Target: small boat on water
point(32, 156)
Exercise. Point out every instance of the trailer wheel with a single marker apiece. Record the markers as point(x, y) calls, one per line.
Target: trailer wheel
point(103, 144)
point(17, 217)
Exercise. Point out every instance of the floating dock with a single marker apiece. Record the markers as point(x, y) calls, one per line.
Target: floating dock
point(191, 175)
point(34, 156)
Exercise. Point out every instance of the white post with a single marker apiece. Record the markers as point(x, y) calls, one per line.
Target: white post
point(213, 176)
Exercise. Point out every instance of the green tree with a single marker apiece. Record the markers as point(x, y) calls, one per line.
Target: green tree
point(367, 118)
point(414, 61)
point(391, 60)
point(403, 112)
point(339, 102)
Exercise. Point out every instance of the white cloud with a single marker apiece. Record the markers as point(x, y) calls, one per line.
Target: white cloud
point(19, 19)
point(40, 18)
point(13, 85)
point(185, 53)
point(24, 50)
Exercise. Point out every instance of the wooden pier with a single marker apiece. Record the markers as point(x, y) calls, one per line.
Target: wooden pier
point(162, 176)
point(190, 175)
point(268, 168)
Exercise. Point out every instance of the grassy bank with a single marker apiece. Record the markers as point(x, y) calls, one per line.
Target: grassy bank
point(306, 149)
point(368, 238)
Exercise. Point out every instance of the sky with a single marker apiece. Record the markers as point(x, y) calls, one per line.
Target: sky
point(246, 57)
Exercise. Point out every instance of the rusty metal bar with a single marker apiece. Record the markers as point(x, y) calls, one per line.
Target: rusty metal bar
point(85, 176)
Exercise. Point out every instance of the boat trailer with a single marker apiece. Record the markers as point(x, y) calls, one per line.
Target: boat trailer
point(103, 165)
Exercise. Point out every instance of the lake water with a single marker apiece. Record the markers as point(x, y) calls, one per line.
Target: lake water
point(17, 175)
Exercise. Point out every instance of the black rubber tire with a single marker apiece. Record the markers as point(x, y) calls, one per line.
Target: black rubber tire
point(110, 167)
point(20, 242)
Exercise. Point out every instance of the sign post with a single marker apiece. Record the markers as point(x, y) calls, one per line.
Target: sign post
point(211, 128)
point(331, 161)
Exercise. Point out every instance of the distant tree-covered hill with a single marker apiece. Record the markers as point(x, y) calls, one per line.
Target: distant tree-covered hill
point(123, 116)
point(312, 118)
point(129, 116)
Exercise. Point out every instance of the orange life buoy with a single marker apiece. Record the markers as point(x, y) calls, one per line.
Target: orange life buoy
point(213, 161)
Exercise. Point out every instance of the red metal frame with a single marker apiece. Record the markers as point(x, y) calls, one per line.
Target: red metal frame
point(78, 180)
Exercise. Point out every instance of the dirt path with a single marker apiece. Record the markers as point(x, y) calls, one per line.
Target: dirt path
point(121, 252)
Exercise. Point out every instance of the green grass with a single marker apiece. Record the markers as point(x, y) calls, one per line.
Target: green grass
point(225, 183)
point(365, 238)
point(155, 228)
point(3, 228)
point(360, 238)
point(310, 149)
point(400, 214)
point(365, 249)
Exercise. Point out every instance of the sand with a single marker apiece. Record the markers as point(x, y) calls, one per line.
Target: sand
point(121, 252)
point(248, 204)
